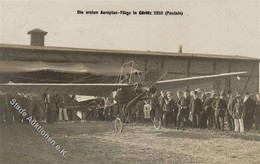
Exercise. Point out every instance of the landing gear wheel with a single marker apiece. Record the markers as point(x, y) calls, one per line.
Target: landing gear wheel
point(118, 125)
point(157, 123)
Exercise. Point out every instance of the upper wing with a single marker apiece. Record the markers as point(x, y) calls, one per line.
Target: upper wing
point(170, 84)
point(32, 66)
point(61, 88)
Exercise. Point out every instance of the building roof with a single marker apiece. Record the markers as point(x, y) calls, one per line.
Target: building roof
point(127, 52)
point(37, 30)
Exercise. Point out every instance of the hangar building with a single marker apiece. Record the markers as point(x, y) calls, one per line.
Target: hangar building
point(179, 64)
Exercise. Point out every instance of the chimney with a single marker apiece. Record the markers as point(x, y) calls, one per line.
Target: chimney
point(37, 37)
point(180, 49)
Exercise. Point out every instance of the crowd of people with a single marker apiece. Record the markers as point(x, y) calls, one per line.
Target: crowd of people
point(43, 108)
point(190, 109)
point(207, 110)
point(49, 108)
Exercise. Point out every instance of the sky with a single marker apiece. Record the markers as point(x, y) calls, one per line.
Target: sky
point(212, 27)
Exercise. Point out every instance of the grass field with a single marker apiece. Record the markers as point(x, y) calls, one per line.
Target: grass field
point(96, 142)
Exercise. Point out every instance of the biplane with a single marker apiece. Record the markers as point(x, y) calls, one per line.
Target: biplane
point(132, 85)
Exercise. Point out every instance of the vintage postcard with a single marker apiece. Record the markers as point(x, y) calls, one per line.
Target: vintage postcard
point(129, 81)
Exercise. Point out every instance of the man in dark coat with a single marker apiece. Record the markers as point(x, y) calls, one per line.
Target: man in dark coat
point(52, 109)
point(250, 106)
point(25, 104)
point(195, 109)
point(37, 107)
point(15, 114)
point(220, 107)
point(72, 113)
point(186, 106)
point(208, 109)
point(204, 96)
point(2, 106)
point(181, 111)
point(168, 109)
point(8, 112)
point(161, 101)
point(174, 113)
point(183, 104)
point(239, 113)
point(156, 106)
point(139, 111)
point(5, 114)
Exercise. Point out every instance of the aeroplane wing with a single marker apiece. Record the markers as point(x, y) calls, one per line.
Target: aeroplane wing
point(104, 89)
point(62, 88)
point(82, 104)
point(177, 83)
point(83, 68)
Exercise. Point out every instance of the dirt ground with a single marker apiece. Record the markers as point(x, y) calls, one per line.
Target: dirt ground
point(96, 142)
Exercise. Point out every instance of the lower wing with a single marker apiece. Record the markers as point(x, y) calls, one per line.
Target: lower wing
point(176, 83)
point(62, 88)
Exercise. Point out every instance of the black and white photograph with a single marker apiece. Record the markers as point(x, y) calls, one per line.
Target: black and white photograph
point(129, 82)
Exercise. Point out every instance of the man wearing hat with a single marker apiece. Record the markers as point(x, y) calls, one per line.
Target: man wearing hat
point(208, 110)
point(50, 102)
point(2, 106)
point(168, 109)
point(180, 109)
point(238, 114)
point(227, 114)
point(36, 107)
point(204, 113)
point(5, 114)
point(15, 114)
point(220, 107)
point(230, 106)
point(204, 96)
point(184, 105)
point(250, 106)
point(161, 102)
point(195, 109)
point(198, 90)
